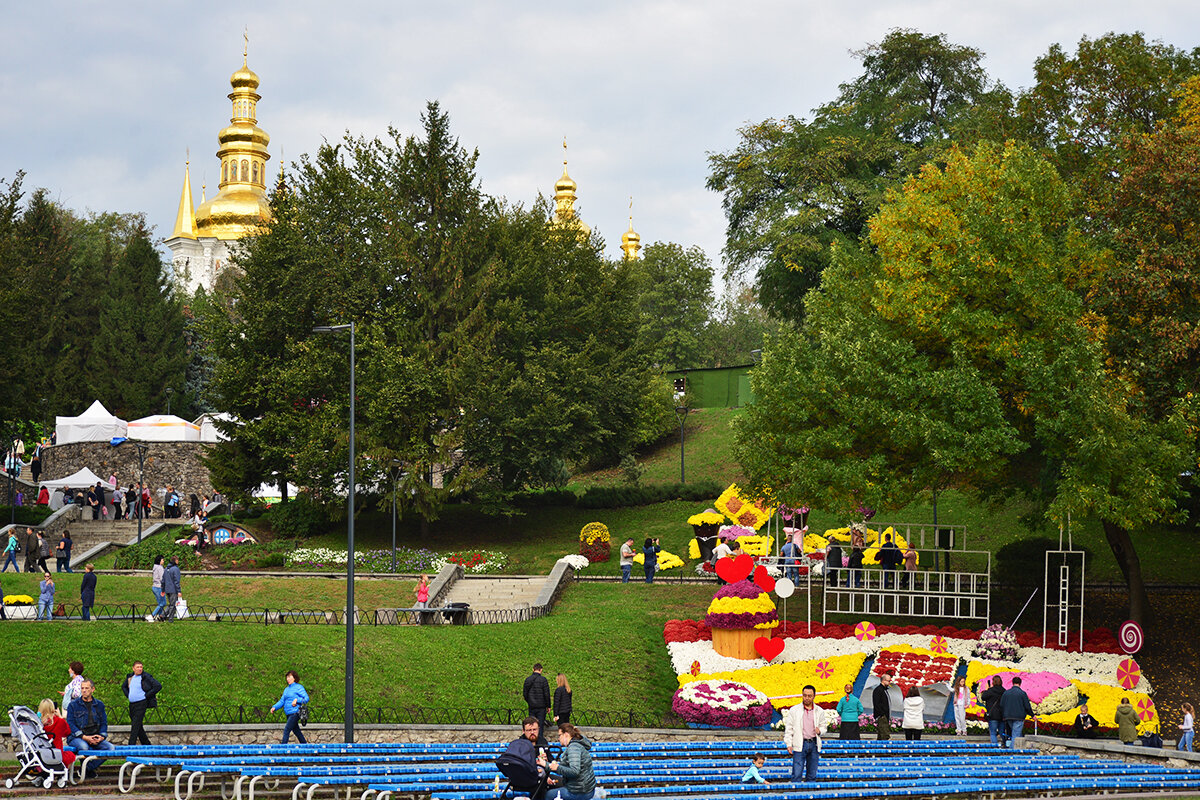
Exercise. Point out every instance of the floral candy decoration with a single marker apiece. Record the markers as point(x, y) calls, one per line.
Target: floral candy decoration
point(740, 606)
point(594, 542)
point(727, 704)
point(997, 643)
point(743, 510)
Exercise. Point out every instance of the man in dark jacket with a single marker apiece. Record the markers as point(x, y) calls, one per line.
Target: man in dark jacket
point(31, 550)
point(1014, 708)
point(142, 690)
point(172, 587)
point(991, 702)
point(889, 557)
point(89, 725)
point(537, 697)
point(881, 706)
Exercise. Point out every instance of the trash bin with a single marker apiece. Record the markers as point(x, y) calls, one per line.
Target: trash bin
point(457, 613)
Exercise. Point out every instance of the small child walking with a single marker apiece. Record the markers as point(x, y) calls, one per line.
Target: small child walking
point(752, 775)
point(422, 592)
point(1185, 730)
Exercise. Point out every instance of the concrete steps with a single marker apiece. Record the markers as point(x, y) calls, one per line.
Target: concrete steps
point(88, 534)
point(495, 592)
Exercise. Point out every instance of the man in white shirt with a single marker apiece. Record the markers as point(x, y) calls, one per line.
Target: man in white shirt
point(626, 559)
point(802, 731)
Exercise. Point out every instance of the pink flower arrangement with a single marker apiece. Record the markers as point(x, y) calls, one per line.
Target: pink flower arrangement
point(727, 704)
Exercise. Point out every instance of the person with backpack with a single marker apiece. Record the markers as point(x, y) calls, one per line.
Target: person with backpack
point(10, 552)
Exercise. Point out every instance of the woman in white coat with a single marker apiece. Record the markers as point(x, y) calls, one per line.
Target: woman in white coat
point(914, 715)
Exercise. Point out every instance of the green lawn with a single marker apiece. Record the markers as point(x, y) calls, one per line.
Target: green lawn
point(606, 638)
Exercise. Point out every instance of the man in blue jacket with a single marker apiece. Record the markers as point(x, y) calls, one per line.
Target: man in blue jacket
point(89, 725)
point(1014, 707)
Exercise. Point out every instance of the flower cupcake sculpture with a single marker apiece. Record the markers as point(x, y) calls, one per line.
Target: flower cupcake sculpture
point(738, 614)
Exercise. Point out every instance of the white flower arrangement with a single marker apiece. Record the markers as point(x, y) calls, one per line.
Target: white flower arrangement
point(997, 643)
point(575, 561)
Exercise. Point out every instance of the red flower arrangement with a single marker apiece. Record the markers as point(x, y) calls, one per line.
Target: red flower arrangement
point(914, 669)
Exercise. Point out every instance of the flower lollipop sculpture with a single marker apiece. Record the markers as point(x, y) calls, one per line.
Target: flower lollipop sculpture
point(594, 542)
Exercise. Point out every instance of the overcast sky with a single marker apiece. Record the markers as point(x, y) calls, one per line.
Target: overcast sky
point(99, 102)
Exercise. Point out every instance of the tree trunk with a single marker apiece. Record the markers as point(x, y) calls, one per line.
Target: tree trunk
point(1131, 568)
point(424, 529)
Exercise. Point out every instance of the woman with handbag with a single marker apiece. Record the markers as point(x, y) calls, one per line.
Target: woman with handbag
point(293, 699)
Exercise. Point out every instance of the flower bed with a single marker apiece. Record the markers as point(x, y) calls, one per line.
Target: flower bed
point(473, 562)
point(665, 560)
point(782, 682)
point(724, 703)
point(408, 560)
point(911, 666)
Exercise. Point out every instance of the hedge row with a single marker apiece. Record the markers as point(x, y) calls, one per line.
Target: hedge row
point(621, 496)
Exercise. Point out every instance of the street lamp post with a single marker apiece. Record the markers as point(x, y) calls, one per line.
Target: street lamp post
point(10, 459)
point(395, 477)
point(141, 451)
point(349, 714)
point(681, 412)
point(170, 392)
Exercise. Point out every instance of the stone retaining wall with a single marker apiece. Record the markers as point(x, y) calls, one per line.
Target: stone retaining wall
point(167, 463)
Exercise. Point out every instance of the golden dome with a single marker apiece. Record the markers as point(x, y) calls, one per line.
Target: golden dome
point(565, 184)
point(631, 242)
point(564, 202)
point(240, 206)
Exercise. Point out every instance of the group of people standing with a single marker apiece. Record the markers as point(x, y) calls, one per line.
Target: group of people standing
point(536, 691)
point(650, 550)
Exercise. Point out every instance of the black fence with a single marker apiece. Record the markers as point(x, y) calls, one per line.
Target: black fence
point(452, 614)
point(118, 714)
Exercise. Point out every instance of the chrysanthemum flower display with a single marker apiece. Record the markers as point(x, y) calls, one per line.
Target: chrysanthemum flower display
point(742, 605)
point(705, 518)
point(594, 542)
point(914, 666)
point(743, 510)
point(723, 703)
point(997, 643)
point(665, 560)
point(783, 682)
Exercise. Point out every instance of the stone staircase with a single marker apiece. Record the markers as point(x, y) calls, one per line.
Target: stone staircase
point(87, 534)
point(496, 592)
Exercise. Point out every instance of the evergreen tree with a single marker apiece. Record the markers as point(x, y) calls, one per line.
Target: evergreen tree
point(140, 341)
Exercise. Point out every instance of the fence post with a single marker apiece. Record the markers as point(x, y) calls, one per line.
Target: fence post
point(241, 714)
point(132, 612)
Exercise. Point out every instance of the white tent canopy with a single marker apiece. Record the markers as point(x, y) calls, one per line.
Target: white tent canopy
point(94, 425)
point(208, 426)
point(83, 479)
point(164, 428)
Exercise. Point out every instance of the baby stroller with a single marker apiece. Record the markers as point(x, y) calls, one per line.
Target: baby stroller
point(37, 754)
point(519, 764)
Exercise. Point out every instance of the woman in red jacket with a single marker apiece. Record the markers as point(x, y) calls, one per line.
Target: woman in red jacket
point(57, 727)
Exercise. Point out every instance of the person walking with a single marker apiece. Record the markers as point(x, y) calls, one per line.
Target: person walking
point(990, 698)
point(31, 550)
point(10, 552)
point(62, 553)
point(914, 715)
point(961, 698)
point(35, 466)
point(130, 502)
point(87, 591)
point(889, 557)
point(117, 497)
point(294, 696)
point(1186, 729)
point(43, 548)
point(627, 556)
point(562, 700)
point(849, 709)
point(1014, 708)
point(89, 725)
point(172, 586)
point(45, 596)
point(156, 589)
point(95, 500)
point(142, 690)
point(536, 692)
point(650, 551)
point(791, 561)
point(881, 707)
point(803, 727)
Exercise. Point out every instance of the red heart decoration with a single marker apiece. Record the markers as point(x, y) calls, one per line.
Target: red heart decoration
point(763, 579)
point(744, 565)
point(768, 648)
point(727, 570)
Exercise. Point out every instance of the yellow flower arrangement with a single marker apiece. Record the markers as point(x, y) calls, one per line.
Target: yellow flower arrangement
point(751, 513)
point(693, 549)
point(18, 600)
point(705, 518)
point(777, 680)
point(755, 545)
point(594, 532)
point(841, 534)
point(741, 605)
point(665, 560)
point(1102, 702)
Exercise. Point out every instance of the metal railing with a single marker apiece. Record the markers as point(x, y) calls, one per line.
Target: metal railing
point(118, 714)
point(921, 593)
point(442, 615)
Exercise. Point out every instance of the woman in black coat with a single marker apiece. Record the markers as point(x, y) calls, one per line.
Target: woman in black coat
point(991, 701)
point(87, 591)
point(562, 700)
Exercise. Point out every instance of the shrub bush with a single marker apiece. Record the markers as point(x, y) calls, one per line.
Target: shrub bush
point(1022, 563)
point(26, 515)
point(300, 518)
point(141, 555)
point(624, 496)
point(253, 554)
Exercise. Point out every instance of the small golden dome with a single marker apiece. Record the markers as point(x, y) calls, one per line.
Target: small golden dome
point(244, 78)
point(565, 184)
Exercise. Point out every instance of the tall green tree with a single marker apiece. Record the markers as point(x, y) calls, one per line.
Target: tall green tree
point(674, 301)
point(959, 351)
point(793, 188)
point(140, 338)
